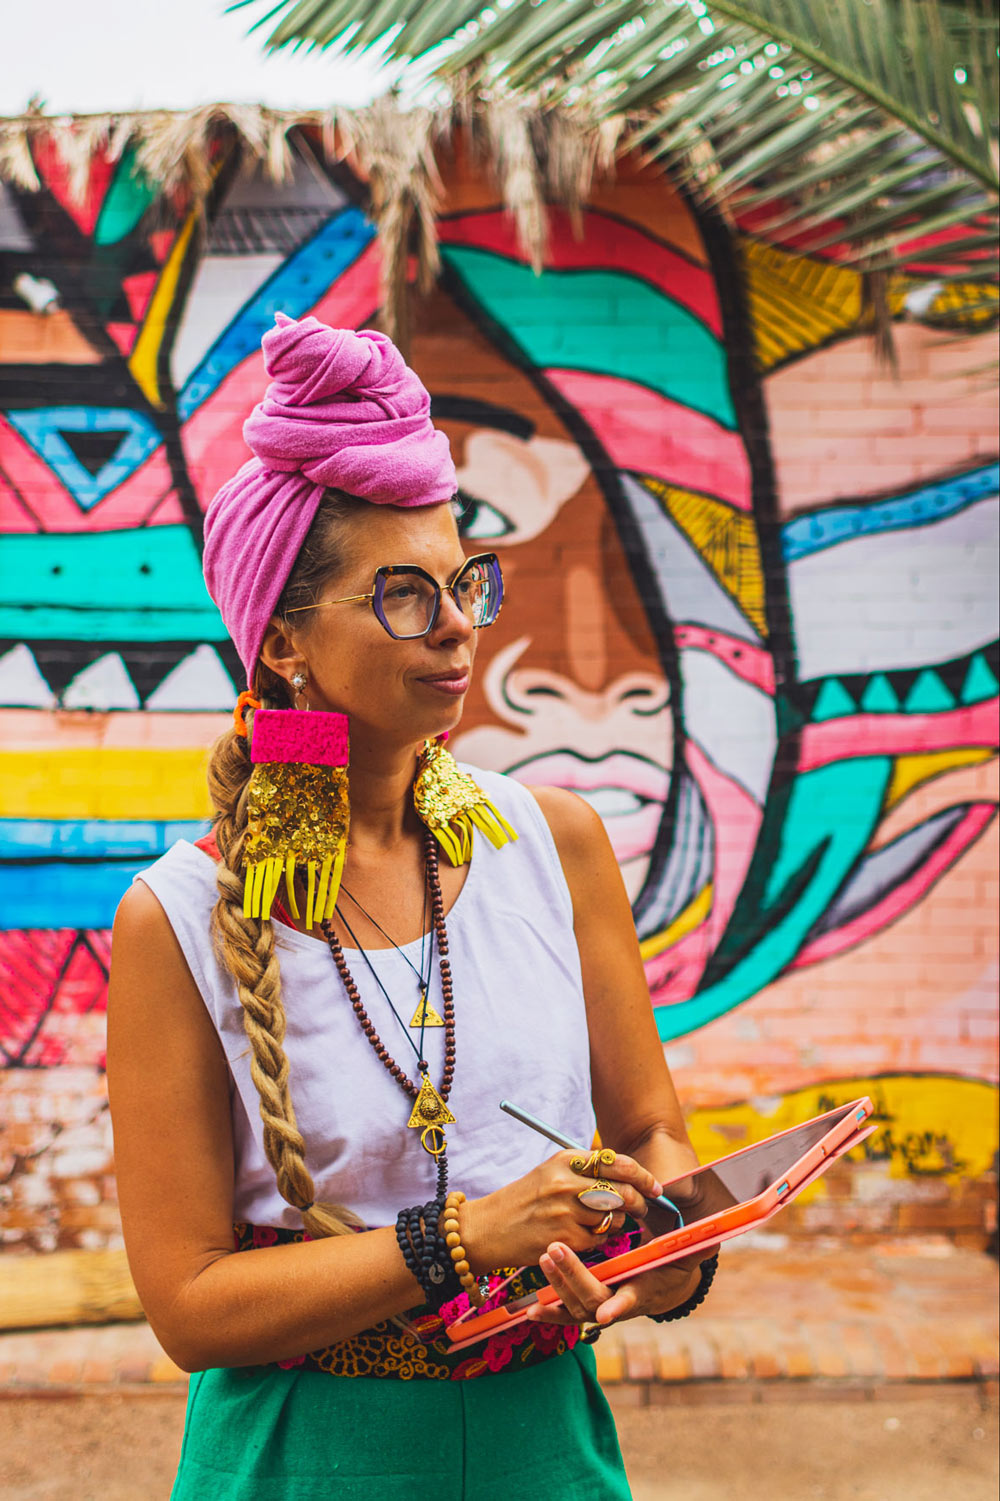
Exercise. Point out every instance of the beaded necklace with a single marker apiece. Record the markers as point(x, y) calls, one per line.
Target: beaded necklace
point(430, 1113)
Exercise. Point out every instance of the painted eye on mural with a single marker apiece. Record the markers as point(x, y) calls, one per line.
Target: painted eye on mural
point(477, 518)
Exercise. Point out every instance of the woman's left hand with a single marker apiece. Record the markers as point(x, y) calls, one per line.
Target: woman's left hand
point(586, 1300)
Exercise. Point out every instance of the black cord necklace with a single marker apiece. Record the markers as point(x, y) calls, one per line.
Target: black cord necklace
point(418, 1049)
point(425, 1015)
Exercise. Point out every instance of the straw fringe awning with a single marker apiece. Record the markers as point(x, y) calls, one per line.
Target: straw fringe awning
point(533, 156)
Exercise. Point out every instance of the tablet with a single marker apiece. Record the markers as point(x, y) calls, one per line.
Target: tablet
point(715, 1202)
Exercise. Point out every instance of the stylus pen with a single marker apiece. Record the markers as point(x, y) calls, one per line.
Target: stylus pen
point(527, 1119)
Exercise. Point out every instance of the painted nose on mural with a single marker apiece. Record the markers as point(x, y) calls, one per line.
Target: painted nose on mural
point(530, 689)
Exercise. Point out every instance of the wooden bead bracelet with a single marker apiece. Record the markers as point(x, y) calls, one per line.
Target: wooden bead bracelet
point(453, 1240)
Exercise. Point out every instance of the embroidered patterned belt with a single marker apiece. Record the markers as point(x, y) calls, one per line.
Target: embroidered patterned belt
point(390, 1351)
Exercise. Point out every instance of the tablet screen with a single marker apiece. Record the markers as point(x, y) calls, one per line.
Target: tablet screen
point(740, 1177)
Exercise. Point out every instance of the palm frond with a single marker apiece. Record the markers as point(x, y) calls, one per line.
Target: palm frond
point(877, 118)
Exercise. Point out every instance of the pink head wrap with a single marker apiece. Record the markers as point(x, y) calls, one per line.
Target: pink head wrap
point(343, 410)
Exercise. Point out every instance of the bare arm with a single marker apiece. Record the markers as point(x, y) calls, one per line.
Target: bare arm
point(634, 1096)
point(169, 1087)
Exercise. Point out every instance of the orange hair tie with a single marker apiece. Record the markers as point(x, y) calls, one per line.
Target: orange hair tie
point(246, 700)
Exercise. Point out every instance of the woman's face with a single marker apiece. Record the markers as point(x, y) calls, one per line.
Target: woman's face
point(399, 692)
point(569, 688)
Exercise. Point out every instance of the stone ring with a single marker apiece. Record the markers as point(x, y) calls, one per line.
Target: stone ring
point(603, 1196)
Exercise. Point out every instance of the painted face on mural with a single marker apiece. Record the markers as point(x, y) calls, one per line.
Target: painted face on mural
point(569, 688)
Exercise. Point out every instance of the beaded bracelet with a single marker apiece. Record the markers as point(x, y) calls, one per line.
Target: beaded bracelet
point(708, 1270)
point(459, 1256)
point(421, 1240)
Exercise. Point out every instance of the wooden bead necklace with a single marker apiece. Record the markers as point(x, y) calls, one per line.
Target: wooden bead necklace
point(430, 1112)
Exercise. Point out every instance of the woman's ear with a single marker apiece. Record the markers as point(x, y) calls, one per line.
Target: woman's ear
point(278, 651)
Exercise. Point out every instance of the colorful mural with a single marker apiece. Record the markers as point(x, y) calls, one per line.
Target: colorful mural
point(751, 616)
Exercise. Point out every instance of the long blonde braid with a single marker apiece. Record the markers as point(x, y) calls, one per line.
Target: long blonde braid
point(246, 947)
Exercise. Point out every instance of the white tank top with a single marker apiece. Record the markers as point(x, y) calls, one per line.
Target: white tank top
point(520, 1031)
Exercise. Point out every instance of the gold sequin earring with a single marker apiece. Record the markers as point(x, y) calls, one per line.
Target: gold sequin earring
point(451, 804)
point(298, 813)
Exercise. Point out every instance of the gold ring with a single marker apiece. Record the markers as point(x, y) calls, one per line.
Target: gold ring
point(578, 1165)
point(603, 1158)
point(605, 1224)
point(602, 1197)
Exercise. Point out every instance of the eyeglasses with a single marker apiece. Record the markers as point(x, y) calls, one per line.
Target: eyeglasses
point(407, 600)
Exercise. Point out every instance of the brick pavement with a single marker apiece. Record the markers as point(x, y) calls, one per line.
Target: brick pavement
point(880, 1318)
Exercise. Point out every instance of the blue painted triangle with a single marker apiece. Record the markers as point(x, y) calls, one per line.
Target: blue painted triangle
point(46, 429)
point(879, 697)
point(928, 695)
point(832, 702)
point(979, 681)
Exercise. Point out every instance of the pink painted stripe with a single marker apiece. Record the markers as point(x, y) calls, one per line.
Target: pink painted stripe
point(898, 734)
point(14, 516)
point(736, 819)
point(753, 664)
point(46, 496)
point(43, 730)
point(607, 244)
point(129, 505)
point(213, 436)
point(902, 897)
point(132, 502)
point(649, 434)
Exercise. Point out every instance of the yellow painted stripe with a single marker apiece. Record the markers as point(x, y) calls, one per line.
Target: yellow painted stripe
point(160, 784)
point(936, 1125)
point(143, 359)
point(912, 771)
point(685, 922)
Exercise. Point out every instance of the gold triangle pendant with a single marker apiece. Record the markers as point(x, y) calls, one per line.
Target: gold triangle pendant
point(429, 1109)
point(425, 1015)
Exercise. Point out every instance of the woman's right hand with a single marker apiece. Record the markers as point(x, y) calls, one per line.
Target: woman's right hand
point(515, 1224)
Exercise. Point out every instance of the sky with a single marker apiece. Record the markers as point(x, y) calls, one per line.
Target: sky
point(89, 56)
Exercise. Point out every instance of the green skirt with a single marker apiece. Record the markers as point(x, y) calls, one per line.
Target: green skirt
point(539, 1434)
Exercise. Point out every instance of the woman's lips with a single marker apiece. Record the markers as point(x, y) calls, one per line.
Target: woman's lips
point(628, 792)
point(452, 683)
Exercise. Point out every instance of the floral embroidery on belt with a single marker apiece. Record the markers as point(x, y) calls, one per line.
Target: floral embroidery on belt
point(387, 1350)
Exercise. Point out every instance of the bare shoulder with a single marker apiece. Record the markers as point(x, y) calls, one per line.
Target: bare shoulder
point(583, 846)
point(149, 974)
point(139, 910)
point(573, 824)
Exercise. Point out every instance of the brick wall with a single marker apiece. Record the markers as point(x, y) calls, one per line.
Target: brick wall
point(751, 570)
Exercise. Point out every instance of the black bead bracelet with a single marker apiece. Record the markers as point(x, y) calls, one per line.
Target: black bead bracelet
point(708, 1271)
point(425, 1252)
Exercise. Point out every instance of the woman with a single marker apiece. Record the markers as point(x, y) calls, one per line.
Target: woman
point(335, 560)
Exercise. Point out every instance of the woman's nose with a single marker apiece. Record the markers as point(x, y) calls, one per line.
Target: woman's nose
point(452, 624)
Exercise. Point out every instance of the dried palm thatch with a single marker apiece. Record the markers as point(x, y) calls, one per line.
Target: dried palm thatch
point(177, 149)
point(394, 150)
point(534, 156)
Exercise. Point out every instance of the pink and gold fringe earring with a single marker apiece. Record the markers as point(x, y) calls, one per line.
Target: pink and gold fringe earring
point(298, 814)
point(451, 804)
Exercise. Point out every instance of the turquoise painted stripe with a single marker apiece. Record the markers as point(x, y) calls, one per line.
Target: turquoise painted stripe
point(138, 585)
point(27, 624)
point(831, 814)
point(94, 838)
point(603, 322)
point(294, 288)
point(929, 503)
point(63, 895)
